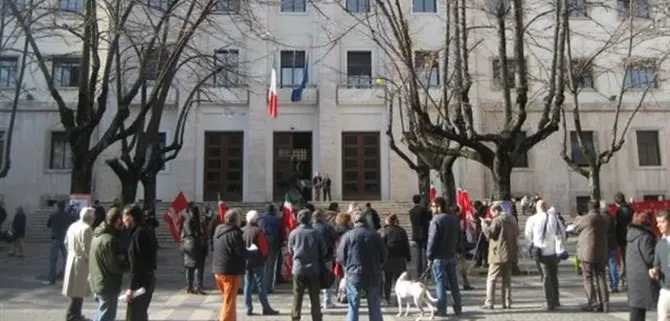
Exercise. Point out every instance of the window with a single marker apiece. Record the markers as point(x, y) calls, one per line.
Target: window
point(60, 154)
point(493, 6)
point(582, 74)
point(653, 197)
point(229, 59)
point(578, 158)
point(8, 66)
point(424, 6)
point(640, 75)
point(582, 203)
point(359, 69)
point(635, 8)
point(293, 6)
point(577, 8)
point(498, 73)
point(292, 68)
point(358, 5)
point(427, 66)
point(522, 160)
point(157, 4)
point(72, 5)
point(66, 72)
point(228, 6)
point(154, 59)
point(648, 150)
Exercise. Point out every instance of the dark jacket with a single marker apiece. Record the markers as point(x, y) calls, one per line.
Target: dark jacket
point(230, 253)
point(19, 225)
point(642, 291)
point(592, 240)
point(623, 218)
point(308, 249)
point(141, 257)
point(105, 266)
point(329, 235)
point(362, 253)
point(444, 237)
point(397, 248)
point(271, 225)
point(253, 234)
point(99, 216)
point(3, 215)
point(59, 222)
point(193, 240)
point(373, 218)
point(420, 219)
point(340, 229)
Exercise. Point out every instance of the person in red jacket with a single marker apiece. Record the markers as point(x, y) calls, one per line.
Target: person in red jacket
point(258, 251)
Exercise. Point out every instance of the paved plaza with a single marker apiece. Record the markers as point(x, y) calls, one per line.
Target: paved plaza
point(24, 298)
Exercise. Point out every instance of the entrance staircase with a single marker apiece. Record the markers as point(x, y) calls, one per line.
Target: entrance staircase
point(38, 232)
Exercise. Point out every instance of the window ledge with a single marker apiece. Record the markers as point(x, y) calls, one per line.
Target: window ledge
point(522, 169)
point(291, 13)
point(650, 168)
point(425, 13)
point(57, 171)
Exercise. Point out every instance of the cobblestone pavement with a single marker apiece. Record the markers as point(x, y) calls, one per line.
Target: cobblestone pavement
point(23, 297)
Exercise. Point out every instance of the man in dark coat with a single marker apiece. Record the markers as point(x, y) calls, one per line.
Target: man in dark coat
point(58, 222)
point(253, 278)
point(18, 232)
point(194, 247)
point(624, 215)
point(592, 251)
point(642, 290)
point(229, 261)
point(396, 242)
point(419, 217)
point(271, 225)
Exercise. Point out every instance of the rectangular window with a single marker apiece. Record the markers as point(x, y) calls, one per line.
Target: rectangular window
point(648, 149)
point(359, 69)
point(60, 154)
point(427, 65)
point(493, 6)
point(641, 74)
point(582, 203)
point(635, 8)
point(229, 59)
point(157, 4)
point(293, 6)
point(498, 73)
point(653, 197)
point(582, 74)
point(228, 6)
point(577, 8)
point(72, 5)
point(292, 68)
point(578, 158)
point(8, 68)
point(358, 5)
point(424, 6)
point(66, 72)
point(155, 58)
point(522, 160)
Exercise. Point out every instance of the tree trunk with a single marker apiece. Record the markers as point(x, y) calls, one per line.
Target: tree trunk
point(502, 177)
point(129, 186)
point(150, 184)
point(423, 175)
point(594, 182)
point(81, 178)
point(448, 184)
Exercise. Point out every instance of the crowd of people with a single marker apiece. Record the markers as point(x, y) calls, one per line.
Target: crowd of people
point(359, 249)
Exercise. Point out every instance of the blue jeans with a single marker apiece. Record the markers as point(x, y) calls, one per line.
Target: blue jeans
point(253, 278)
point(269, 270)
point(56, 247)
point(354, 302)
point(445, 271)
point(420, 251)
point(107, 305)
point(613, 270)
point(194, 276)
point(328, 293)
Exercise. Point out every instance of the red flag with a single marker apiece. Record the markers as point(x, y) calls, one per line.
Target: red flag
point(272, 94)
point(172, 216)
point(432, 194)
point(289, 222)
point(467, 214)
point(222, 211)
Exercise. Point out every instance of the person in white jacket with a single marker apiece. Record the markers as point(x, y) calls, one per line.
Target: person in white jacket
point(542, 234)
point(75, 280)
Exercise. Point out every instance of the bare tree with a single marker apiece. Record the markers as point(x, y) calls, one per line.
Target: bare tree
point(634, 41)
point(9, 36)
point(113, 40)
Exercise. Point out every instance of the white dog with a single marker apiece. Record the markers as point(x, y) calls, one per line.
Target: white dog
point(406, 289)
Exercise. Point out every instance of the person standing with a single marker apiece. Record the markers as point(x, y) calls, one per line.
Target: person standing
point(642, 290)
point(444, 241)
point(18, 232)
point(502, 233)
point(541, 237)
point(327, 231)
point(361, 252)
point(75, 279)
point(481, 255)
point(396, 241)
point(317, 181)
point(419, 217)
point(253, 277)
point(99, 214)
point(326, 188)
point(229, 261)
point(592, 252)
point(58, 223)
point(106, 266)
point(194, 247)
point(660, 272)
point(142, 260)
point(271, 225)
point(623, 218)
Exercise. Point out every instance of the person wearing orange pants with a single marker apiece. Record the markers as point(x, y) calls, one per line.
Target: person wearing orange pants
point(229, 261)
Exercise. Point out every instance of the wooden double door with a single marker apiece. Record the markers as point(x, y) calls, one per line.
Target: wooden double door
point(224, 166)
point(361, 163)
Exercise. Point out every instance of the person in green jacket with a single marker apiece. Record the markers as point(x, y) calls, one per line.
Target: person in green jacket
point(106, 267)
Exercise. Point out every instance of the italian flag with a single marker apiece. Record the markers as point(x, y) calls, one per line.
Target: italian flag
point(288, 215)
point(272, 94)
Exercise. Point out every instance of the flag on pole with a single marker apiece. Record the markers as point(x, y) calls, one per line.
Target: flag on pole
point(296, 94)
point(272, 94)
point(289, 222)
point(172, 216)
point(469, 223)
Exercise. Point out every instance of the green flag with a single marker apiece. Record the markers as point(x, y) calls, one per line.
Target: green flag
point(218, 196)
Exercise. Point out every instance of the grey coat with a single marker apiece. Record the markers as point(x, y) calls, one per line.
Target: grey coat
point(193, 241)
point(642, 291)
